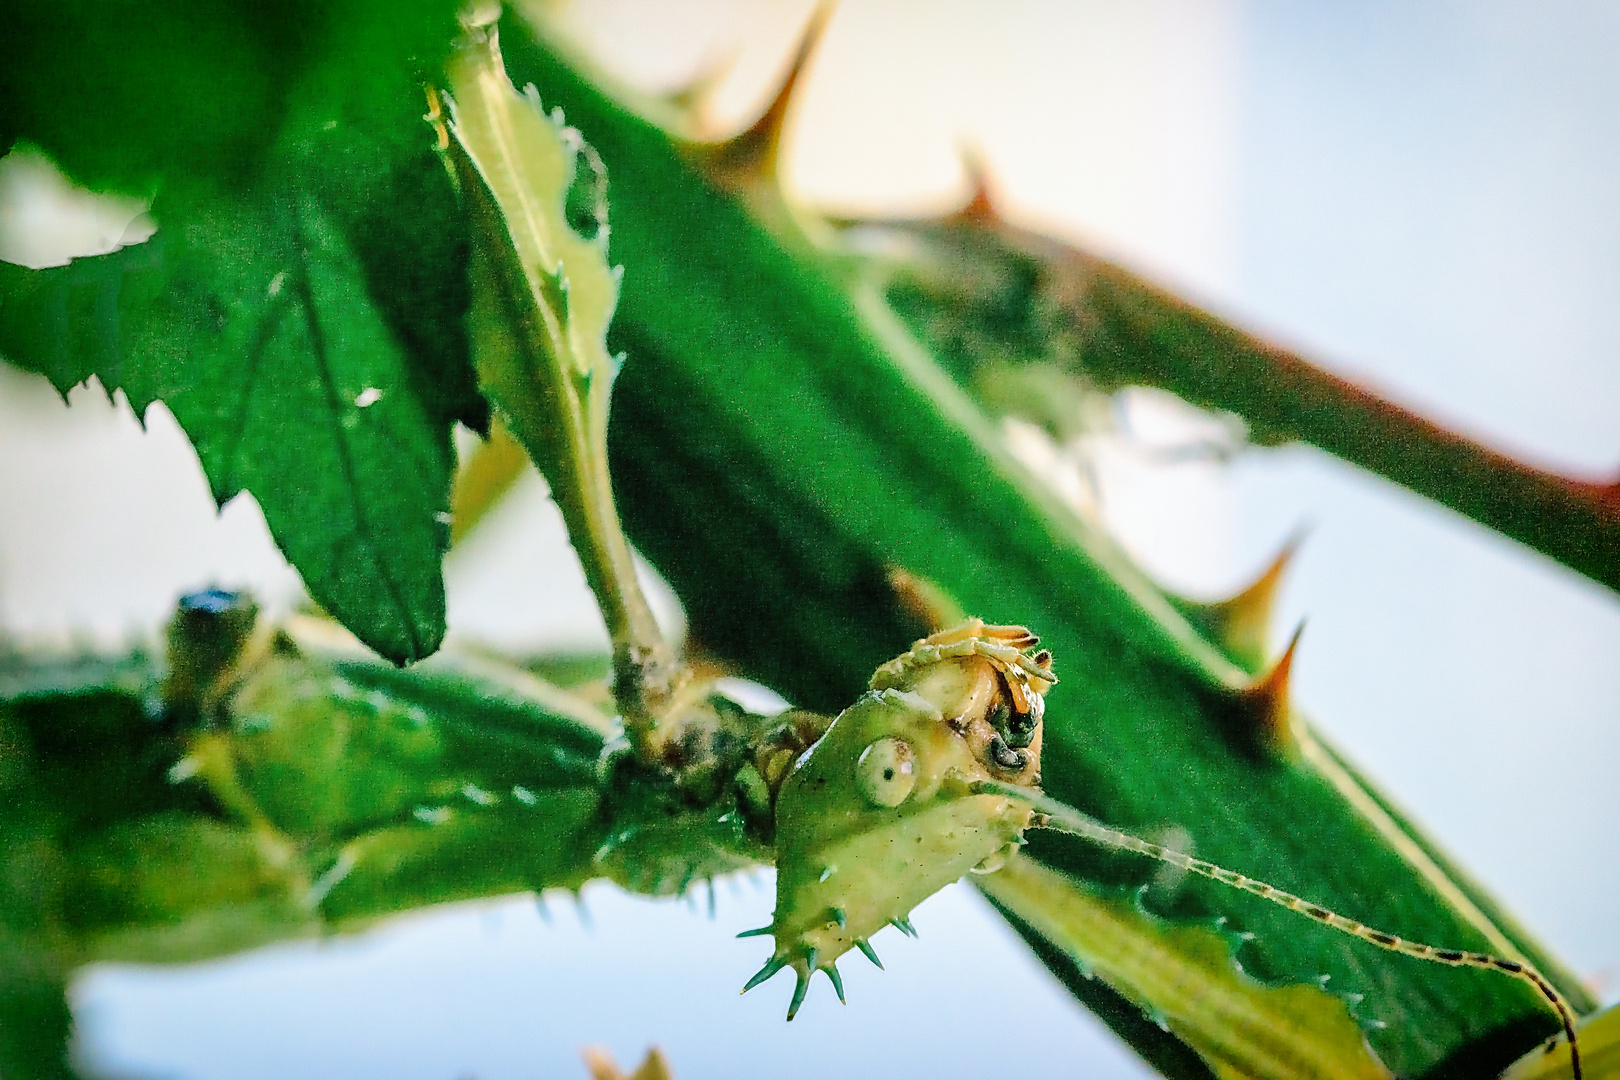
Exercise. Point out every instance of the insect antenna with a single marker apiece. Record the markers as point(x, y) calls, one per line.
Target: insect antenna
point(1066, 819)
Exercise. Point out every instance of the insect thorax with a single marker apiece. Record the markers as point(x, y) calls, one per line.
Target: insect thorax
point(880, 814)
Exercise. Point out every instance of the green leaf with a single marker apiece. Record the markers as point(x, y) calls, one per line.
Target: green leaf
point(779, 445)
point(306, 332)
point(127, 94)
point(1188, 975)
point(544, 295)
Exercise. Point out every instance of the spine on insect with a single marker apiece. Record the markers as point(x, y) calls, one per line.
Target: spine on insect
point(880, 813)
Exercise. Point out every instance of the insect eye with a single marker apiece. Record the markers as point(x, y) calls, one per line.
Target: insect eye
point(1021, 730)
point(886, 772)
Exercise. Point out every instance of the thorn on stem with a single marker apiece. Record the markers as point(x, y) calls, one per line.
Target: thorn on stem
point(753, 155)
point(1242, 622)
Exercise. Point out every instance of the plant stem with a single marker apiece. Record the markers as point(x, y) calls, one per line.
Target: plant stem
point(543, 296)
point(1113, 328)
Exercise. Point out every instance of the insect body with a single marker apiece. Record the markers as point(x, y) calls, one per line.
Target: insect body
point(935, 773)
point(881, 813)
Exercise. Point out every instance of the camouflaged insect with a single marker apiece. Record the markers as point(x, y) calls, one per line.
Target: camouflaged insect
point(881, 813)
point(935, 773)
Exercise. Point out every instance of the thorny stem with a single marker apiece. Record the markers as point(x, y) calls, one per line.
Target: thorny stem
point(1107, 325)
point(542, 299)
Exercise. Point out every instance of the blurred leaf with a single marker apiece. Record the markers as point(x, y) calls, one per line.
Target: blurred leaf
point(1187, 975)
point(306, 332)
point(127, 93)
point(335, 793)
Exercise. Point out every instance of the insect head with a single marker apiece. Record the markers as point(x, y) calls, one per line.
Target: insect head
point(880, 813)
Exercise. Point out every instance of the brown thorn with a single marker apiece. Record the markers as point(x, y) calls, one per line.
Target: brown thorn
point(924, 602)
point(1266, 700)
point(600, 1064)
point(653, 1067)
point(1241, 622)
point(754, 153)
point(980, 208)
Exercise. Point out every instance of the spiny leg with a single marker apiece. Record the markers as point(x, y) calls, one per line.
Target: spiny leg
point(1063, 818)
point(837, 980)
point(1002, 644)
point(802, 987)
point(772, 966)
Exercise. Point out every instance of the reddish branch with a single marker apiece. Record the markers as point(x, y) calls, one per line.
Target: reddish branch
point(1118, 329)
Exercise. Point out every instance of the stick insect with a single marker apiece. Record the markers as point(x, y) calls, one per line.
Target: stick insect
point(935, 773)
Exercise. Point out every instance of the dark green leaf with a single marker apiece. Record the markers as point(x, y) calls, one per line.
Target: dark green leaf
point(306, 333)
point(127, 93)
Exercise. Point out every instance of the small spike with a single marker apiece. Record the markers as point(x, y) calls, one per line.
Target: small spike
point(871, 953)
point(980, 208)
point(837, 981)
point(931, 606)
point(1265, 701)
point(840, 918)
point(756, 932)
point(772, 966)
point(904, 926)
point(1242, 622)
point(752, 155)
point(800, 988)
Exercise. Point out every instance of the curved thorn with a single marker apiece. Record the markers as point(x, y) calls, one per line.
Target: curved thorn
point(1266, 699)
point(1241, 622)
point(755, 151)
point(871, 953)
point(772, 966)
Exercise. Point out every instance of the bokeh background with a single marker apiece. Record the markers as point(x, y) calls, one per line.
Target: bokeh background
point(1420, 195)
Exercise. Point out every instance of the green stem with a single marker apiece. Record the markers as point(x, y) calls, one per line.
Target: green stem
point(543, 296)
